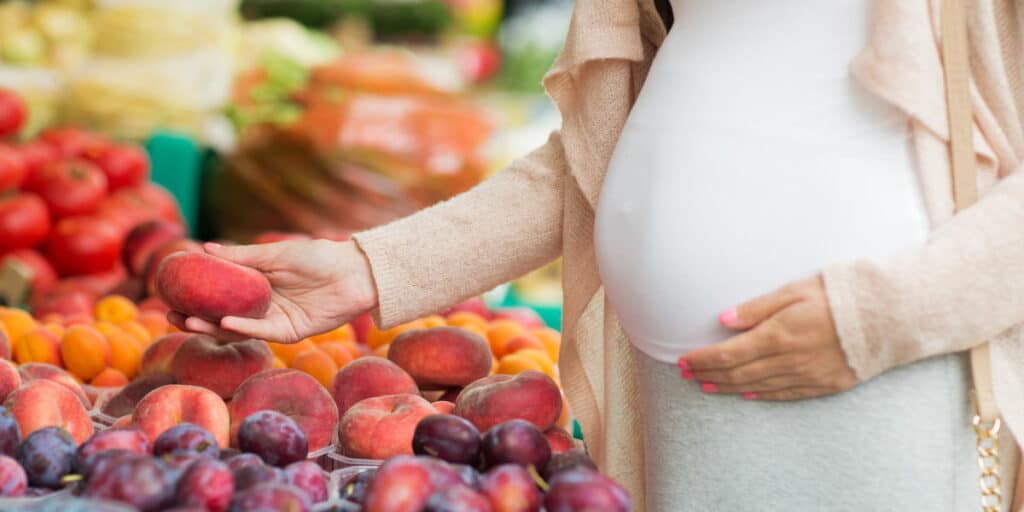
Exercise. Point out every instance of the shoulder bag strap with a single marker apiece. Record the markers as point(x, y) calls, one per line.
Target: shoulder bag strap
point(965, 193)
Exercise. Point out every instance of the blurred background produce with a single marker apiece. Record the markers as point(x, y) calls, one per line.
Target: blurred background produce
point(313, 116)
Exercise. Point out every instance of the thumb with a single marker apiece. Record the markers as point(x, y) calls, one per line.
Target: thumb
point(757, 310)
point(259, 257)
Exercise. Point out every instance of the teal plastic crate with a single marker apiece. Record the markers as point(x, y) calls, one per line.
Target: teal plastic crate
point(177, 166)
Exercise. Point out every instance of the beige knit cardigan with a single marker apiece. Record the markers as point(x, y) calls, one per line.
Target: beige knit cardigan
point(965, 285)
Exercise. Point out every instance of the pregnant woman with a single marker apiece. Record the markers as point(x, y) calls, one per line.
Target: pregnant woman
point(777, 222)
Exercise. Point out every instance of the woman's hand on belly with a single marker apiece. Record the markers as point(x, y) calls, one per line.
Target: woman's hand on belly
point(788, 349)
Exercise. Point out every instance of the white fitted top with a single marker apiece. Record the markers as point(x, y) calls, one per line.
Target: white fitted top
point(751, 158)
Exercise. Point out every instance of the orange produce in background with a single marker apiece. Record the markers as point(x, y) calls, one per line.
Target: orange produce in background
point(551, 339)
point(125, 353)
point(38, 345)
point(287, 351)
point(138, 331)
point(17, 322)
point(109, 378)
point(85, 351)
point(317, 364)
point(339, 352)
point(376, 337)
point(500, 332)
point(343, 333)
point(116, 309)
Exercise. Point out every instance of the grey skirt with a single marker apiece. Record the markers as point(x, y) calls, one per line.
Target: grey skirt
point(899, 442)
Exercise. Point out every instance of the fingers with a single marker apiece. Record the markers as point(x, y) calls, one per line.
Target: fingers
point(795, 393)
point(259, 328)
point(760, 342)
point(776, 383)
point(757, 310)
point(755, 371)
point(256, 256)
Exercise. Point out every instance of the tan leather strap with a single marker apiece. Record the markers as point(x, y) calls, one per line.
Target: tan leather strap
point(962, 160)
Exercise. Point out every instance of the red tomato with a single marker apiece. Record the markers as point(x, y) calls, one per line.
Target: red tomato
point(124, 213)
point(36, 155)
point(72, 187)
point(158, 198)
point(84, 245)
point(73, 141)
point(12, 113)
point(124, 165)
point(24, 221)
point(12, 168)
point(44, 277)
point(65, 302)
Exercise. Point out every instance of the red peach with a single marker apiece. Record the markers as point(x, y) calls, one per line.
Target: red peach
point(559, 440)
point(441, 357)
point(220, 366)
point(143, 240)
point(165, 250)
point(170, 405)
point(383, 426)
point(444, 407)
point(158, 356)
point(211, 288)
point(474, 305)
point(42, 403)
point(530, 395)
point(526, 317)
point(42, 371)
point(9, 378)
point(292, 393)
point(368, 377)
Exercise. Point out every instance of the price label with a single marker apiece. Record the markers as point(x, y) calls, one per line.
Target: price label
point(15, 283)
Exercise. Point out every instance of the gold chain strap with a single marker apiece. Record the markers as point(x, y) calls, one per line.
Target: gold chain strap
point(988, 463)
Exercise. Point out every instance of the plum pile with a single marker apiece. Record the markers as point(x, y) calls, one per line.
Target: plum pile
point(183, 469)
point(509, 468)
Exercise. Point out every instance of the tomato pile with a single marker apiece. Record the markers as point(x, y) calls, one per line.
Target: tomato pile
point(67, 200)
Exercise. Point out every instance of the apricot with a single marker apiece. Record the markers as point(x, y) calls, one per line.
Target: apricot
point(519, 362)
point(154, 323)
point(318, 364)
point(530, 396)
point(16, 322)
point(551, 339)
point(6, 351)
point(441, 357)
point(292, 393)
point(343, 333)
point(278, 363)
point(368, 377)
point(466, 318)
point(521, 342)
point(38, 345)
point(526, 317)
point(109, 378)
point(115, 309)
point(287, 351)
point(125, 353)
point(340, 353)
point(138, 332)
point(381, 351)
point(500, 332)
point(85, 351)
point(434, 321)
point(201, 285)
point(204, 361)
point(376, 337)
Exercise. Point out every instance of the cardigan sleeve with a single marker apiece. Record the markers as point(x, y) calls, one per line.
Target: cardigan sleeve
point(963, 287)
point(503, 228)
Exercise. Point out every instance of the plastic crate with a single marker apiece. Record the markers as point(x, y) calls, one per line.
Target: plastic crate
point(177, 166)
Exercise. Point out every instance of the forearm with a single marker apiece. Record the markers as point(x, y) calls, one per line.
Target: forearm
point(965, 286)
point(499, 230)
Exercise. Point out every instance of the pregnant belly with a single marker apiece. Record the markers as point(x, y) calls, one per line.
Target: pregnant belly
point(688, 226)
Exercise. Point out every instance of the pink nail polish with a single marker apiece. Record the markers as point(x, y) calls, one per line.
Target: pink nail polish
point(728, 317)
point(683, 365)
point(708, 387)
point(687, 375)
point(749, 396)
